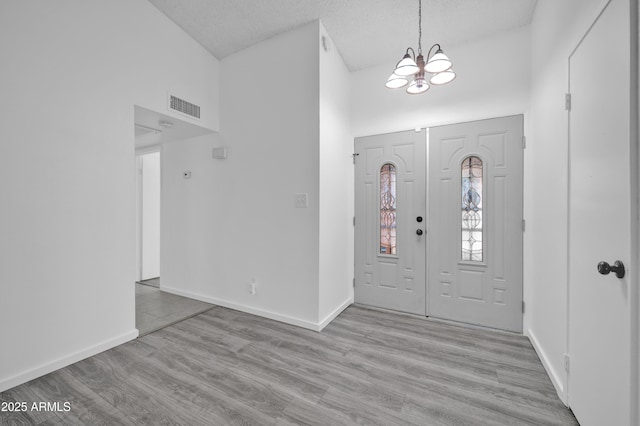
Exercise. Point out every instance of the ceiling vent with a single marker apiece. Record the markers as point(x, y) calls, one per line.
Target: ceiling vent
point(184, 107)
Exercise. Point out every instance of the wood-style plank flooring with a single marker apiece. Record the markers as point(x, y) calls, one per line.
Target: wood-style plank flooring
point(224, 367)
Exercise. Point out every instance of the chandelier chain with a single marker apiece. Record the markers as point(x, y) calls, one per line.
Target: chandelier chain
point(419, 27)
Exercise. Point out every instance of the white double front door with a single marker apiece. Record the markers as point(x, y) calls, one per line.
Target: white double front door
point(451, 248)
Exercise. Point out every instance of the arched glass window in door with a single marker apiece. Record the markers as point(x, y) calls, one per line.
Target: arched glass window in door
point(388, 209)
point(472, 209)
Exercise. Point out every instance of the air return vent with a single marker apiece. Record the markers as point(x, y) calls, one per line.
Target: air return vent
point(184, 107)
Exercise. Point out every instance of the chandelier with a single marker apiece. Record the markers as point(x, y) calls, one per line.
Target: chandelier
point(438, 65)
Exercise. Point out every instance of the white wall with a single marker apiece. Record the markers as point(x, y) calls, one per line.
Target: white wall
point(235, 220)
point(484, 88)
point(336, 184)
point(556, 30)
point(270, 124)
point(195, 215)
point(71, 72)
point(150, 266)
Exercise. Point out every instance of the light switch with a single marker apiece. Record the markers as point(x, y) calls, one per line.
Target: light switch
point(301, 201)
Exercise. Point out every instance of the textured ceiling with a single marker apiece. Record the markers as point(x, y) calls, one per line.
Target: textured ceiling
point(366, 32)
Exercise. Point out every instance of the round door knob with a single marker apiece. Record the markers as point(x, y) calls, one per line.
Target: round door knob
point(419, 232)
point(604, 268)
point(618, 268)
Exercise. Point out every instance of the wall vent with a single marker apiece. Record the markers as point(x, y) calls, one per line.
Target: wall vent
point(184, 107)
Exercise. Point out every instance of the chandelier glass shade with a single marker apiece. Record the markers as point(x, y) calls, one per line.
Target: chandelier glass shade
point(396, 81)
point(443, 77)
point(439, 62)
point(407, 66)
point(412, 66)
point(418, 86)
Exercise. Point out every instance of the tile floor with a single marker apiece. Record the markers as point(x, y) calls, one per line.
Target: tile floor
point(156, 309)
point(153, 282)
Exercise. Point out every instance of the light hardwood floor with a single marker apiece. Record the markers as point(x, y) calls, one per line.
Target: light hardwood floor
point(367, 367)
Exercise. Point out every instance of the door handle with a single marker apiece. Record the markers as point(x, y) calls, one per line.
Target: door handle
point(618, 268)
point(419, 232)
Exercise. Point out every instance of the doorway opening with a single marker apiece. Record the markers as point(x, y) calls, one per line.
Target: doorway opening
point(148, 224)
point(156, 309)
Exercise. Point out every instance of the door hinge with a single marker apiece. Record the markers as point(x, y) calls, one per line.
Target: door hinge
point(354, 283)
point(523, 306)
point(524, 142)
point(354, 221)
point(354, 155)
point(567, 101)
point(524, 225)
point(566, 362)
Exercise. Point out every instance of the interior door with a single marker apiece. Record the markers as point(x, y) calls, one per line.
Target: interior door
point(390, 221)
point(600, 223)
point(475, 222)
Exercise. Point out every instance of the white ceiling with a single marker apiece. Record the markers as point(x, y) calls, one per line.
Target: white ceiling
point(366, 32)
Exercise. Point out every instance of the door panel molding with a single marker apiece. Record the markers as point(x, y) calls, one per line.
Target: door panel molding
point(391, 281)
point(487, 291)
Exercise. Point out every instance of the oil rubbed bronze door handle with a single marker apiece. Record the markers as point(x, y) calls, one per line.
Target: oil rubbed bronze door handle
point(618, 268)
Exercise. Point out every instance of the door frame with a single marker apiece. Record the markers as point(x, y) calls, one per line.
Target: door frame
point(634, 150)
point(139, 153)
point(635, 209)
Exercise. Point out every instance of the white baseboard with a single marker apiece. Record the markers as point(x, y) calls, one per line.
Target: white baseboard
point(34, 373)
point(247, 309)
point(325, 322)
point(558, 383)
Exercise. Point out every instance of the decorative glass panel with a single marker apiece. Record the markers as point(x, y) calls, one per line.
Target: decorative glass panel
point(472, 209)
point(388, 209)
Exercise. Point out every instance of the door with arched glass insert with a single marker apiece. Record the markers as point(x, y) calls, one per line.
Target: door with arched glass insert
point(475, 222)
point(390, 196)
